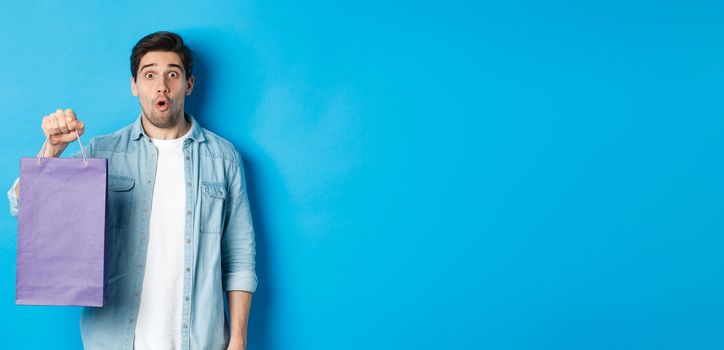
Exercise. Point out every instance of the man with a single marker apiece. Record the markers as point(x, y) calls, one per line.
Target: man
point(179, 228)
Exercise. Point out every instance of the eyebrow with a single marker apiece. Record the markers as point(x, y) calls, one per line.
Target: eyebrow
point(170, 65)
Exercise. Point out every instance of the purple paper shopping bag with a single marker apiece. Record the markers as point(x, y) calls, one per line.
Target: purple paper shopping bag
point(61, 231)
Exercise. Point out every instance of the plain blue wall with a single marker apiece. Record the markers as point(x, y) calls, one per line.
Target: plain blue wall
point(497, 175)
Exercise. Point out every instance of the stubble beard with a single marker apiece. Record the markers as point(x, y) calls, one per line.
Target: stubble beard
point(174, 116)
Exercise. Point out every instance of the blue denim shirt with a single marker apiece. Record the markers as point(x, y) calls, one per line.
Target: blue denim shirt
point(219, 252)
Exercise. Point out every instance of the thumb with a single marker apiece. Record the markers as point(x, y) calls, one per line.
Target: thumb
point(62, 138)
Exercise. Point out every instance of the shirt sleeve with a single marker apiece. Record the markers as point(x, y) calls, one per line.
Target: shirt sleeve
point(13, 199)
point(238, 246)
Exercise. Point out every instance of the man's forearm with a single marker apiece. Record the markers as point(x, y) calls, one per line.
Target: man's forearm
point(239, 306)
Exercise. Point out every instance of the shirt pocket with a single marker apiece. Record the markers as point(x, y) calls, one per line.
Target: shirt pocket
point(120, 192)
point(213, 202)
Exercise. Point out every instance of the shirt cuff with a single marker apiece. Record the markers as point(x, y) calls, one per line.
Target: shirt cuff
point(13, 199)
point(242, 280)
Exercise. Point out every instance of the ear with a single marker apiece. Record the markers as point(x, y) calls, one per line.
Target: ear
point(134, 88)
point(189, 85)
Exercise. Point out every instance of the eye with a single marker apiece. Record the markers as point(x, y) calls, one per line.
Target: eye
point(172, 74)
point(149, 75)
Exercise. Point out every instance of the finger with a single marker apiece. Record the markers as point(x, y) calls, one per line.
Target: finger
point(62, 123)
point(69, 115)
point(79, 126)
point(45, 126)
point(74, 124)
point(53, 124)
point(70, 119)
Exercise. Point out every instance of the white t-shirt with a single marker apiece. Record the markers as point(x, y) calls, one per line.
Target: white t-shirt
point(159, 316)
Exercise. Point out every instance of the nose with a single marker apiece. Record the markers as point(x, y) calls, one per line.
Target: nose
point(162, 87)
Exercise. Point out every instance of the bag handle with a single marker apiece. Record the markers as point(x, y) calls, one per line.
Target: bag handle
point(82, 150)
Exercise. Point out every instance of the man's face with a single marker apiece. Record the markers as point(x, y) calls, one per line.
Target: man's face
point(161, 87)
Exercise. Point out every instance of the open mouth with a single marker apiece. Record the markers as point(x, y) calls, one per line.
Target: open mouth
point(162, 104)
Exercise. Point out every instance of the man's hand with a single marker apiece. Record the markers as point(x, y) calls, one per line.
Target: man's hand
point(59, 127)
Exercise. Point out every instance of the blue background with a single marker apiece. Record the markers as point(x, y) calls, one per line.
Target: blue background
point(458, 175)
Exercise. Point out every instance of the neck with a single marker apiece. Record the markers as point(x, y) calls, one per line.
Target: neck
point(169, 133)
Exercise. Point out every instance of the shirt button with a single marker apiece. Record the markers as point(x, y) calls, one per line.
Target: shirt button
point(188, 269)
point(188, 212)
point(186, 326)
point(187, 298)
point(188, 184)
point(130, 320)
point(188, 241)
point(148, 182)
point(188, 158)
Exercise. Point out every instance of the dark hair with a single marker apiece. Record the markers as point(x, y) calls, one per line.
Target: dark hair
point(162, 41)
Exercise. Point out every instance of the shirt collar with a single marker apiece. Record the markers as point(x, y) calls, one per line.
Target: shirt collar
point(196, 133)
